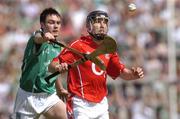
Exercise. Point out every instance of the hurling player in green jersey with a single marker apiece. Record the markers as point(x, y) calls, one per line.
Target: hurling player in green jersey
point(35, 96)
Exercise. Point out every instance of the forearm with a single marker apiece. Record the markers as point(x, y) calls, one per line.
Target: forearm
point(59, 85)
point(39, 38)
point(61, 91)
point(52, 66)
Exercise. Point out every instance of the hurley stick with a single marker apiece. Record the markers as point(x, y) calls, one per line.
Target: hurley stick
point(108, 46)
point(95, 60)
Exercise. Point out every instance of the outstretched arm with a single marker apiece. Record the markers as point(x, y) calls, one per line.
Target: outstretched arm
point(132, 74)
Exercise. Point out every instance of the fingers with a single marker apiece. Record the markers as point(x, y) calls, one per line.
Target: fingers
point(61, 67)
point(63, 97)
point(138, 71)
point(48, 36)
point(63, 94)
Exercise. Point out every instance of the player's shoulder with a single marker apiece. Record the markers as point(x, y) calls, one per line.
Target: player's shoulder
point(79, 41)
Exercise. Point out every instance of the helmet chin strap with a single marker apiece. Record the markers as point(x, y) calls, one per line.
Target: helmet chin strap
point(98, 36)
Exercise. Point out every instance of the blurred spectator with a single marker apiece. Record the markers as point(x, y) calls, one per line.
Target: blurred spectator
point(141, 38)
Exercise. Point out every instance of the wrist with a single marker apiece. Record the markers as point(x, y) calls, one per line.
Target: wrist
point(57, 67)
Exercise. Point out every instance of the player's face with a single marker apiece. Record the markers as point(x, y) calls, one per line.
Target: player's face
point(100, 26)
point(53, 24)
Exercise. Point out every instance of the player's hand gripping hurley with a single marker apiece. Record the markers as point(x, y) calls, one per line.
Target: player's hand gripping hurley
point(94, 60)
point(108, 46)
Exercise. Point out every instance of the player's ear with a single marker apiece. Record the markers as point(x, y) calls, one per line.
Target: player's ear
point(42, 25)
point(88, 27)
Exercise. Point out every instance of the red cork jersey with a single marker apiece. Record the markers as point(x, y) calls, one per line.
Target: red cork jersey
point(87, 80)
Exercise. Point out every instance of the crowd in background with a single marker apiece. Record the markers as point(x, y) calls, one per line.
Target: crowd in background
point(142, 38)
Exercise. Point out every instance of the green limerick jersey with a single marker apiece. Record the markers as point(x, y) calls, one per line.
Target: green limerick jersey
point(35, 67)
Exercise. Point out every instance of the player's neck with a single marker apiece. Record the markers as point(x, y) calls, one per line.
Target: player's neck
point(98, 42)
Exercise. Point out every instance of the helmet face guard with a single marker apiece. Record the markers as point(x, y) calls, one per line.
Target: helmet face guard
point(90, 20)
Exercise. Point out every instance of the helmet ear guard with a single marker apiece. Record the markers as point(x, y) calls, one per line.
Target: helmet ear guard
point(90, 20)
point(89, 26)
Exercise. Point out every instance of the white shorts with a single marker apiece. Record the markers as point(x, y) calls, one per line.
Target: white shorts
point(83, 109)
point(30, 105)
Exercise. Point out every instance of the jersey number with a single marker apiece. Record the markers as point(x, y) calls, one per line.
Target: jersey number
point(95, 71)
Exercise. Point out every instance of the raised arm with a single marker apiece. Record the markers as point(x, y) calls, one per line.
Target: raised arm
point(41, 37)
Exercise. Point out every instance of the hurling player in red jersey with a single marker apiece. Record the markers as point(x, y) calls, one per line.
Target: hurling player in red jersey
point(87, 82)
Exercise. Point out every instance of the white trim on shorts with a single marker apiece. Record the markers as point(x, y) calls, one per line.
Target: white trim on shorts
point(30, 105)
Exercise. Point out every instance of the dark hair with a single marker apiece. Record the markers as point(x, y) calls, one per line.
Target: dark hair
point(46, 12)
